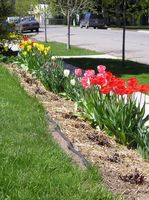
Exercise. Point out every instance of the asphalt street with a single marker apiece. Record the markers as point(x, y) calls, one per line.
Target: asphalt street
point(106, 41)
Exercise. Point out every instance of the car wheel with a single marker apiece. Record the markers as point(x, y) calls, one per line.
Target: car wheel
point(37, 29)
point(94, 27)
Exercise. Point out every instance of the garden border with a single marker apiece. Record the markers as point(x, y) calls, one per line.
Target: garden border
point(53, 127)
point(67, 145)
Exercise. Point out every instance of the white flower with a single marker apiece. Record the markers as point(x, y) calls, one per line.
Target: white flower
point(53, 58)
point(66, 72)
point(72, 81)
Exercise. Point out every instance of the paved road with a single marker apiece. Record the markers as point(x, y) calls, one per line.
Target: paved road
point(106, 41)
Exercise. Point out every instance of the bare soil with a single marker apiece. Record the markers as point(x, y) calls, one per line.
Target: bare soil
point(124, 170)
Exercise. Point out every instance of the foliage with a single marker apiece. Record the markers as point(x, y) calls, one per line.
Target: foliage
point(72, 86)
point(24, 8)
point(6, 8)
point(113, 9)
point(52, 76)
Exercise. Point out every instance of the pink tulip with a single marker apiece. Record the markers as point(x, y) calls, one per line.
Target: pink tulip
point(101, 68)
point(89, 73)
point(78, 72)
point(85, 82)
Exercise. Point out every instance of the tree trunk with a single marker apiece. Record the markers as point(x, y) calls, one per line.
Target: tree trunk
point(68, 34)
point(45, 22)
point(124, 31)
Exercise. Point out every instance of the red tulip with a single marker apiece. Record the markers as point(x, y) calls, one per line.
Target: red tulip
point(106, 89)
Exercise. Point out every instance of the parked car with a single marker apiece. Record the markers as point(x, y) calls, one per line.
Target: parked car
point(27, 23)
point(92, 20)
point(12, 19)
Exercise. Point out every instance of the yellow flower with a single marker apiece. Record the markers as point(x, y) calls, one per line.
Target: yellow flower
point(48, 48)
point(24, 42)
point(45, 52)
point(35, 44)
point(25, 53)
point(41, 47)
point(29, 41)
point(29, 47)
point(12, 35)
point(22, 46)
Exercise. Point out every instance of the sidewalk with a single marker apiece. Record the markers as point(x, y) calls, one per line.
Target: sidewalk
point(87, 56)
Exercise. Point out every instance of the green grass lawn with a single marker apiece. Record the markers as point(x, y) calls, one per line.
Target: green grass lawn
point(131, 69)
point(60, 49)
point(32, 166)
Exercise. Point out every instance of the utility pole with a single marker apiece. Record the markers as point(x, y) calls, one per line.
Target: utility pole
point(124, 31)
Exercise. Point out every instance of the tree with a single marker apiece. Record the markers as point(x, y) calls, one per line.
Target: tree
point(68, 8)
point(6, 9)
point(23, 8)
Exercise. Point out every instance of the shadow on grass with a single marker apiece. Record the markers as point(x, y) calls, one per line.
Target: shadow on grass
point(131, 69)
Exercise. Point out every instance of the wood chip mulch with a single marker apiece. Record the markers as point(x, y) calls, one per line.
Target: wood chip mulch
point(124, 170)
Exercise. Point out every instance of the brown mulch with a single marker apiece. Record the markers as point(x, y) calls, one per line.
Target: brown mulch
point(124, 170)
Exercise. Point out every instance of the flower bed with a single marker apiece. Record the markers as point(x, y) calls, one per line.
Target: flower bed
point(106, 101)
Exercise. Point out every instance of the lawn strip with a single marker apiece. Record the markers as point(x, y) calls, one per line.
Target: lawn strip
point(60, 49)
point(131, 68)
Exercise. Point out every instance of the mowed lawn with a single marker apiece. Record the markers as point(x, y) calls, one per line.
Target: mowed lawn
point(131, 69)
point(32, 166)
